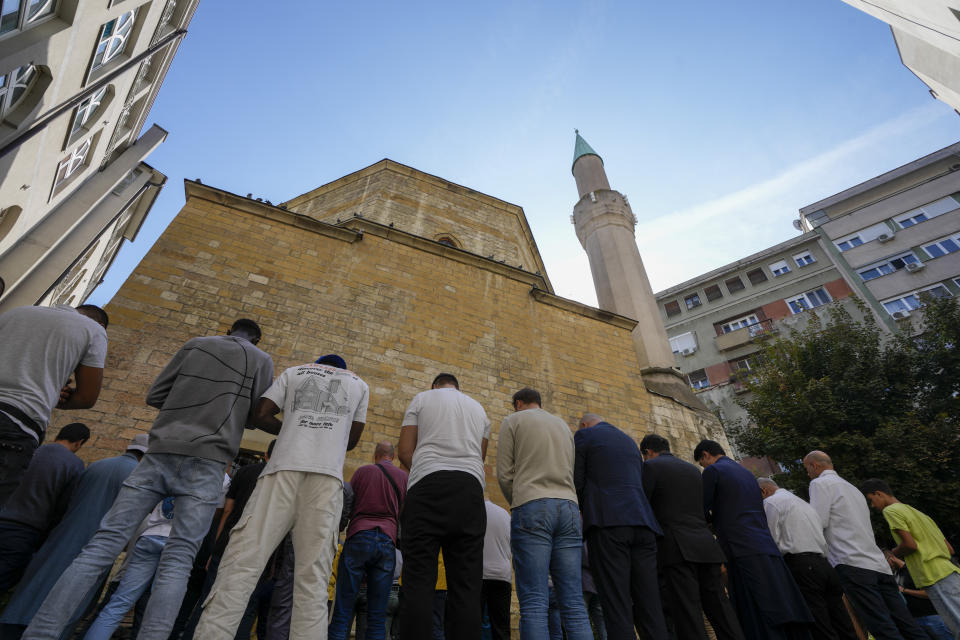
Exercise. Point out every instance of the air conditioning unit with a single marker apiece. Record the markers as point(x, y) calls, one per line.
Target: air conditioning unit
point(884, 237)
point(688, 352)
point(900, 315)
point(913, 267)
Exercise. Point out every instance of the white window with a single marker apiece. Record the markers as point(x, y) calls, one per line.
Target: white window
point(927, 211)
point(809, 300)
point(73, 163)
point(113, 39)
point(684, 343)
point(18, 14)
point(849, 243)
point(950, 244)
point(779, 268)
point(698, 379)
point(938, 291)
point(86, 110)
point(803, 259)
point(904, 304)
point(14, 87)
point(740, 323)
point(888, 266)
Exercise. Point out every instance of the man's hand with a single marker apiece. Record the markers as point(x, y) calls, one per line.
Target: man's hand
point(85, 394)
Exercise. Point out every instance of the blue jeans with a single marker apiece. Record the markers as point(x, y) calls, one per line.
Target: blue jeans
point(195, 483)
point(945, 596)
point(545, 538)
point(136, 578)
point(367, 555)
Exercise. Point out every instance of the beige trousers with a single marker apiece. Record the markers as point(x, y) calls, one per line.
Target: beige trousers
point(310, 505)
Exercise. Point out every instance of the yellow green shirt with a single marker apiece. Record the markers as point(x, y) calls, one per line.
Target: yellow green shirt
point(930, 563)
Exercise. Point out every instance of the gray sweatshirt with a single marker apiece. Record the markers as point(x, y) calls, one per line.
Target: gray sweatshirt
point(206, 395)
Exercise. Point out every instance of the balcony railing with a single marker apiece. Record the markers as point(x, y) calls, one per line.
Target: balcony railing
point(740, 337)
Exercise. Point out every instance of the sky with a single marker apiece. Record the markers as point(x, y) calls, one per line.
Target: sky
point(718, 121)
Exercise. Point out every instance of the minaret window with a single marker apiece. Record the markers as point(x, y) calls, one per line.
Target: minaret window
point(19, 14)
point(448, 240)
point(72, 164)
point(87, 109)
point(15, 87)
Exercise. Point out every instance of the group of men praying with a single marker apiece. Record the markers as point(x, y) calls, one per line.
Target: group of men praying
point(606, 537)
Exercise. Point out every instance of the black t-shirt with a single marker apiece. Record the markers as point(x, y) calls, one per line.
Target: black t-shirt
point(241, 488)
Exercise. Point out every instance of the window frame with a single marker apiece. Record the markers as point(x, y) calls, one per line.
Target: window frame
point(806, 300)
point(779, 265)
point(736, 279)
point(849, 240)
point(728, 326)
point(909, 215)
point(797, 259)
point(954, 238)
point(691, 336)
point(888, 262)
point(716, 287)
point(26, 21)
point(8, 105)
point(667, 306)
point(758, 270)
point(692, 301)
point(126, 40)
point(705, 379)
point(82, 161)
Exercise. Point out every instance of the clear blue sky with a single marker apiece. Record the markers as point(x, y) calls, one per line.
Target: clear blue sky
point(717, 120)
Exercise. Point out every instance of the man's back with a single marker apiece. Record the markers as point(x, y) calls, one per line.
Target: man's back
point(376, 504)
point(794, 525)
point(675, 490)
point(450, 429)
point(44, 492)
point(608, 473)
point(496, 544)
point(535, 457)
point(47, 343)
point(730, 491)
point(205, 396)
point(319, 403)
point(930, 563)
point(846, 522)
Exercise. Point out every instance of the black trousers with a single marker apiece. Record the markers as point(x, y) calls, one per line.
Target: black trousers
point(877, 600)
point(695, 586)
point(16, 451)
point(624, 565)
point(821, 588)
point(443, 511)
point(495, 595)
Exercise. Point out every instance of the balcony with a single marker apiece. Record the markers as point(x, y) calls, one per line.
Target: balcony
point(744, 335)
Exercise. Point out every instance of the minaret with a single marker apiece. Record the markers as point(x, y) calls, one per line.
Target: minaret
point(605, 226)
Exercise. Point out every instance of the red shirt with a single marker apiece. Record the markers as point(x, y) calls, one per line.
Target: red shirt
point(375, 502)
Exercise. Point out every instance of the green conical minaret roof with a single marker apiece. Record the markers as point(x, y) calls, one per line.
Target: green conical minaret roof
point(581, 148)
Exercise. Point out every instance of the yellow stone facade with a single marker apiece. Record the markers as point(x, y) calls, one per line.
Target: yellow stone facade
point(398, 305)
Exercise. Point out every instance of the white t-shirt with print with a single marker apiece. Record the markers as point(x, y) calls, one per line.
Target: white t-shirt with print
point(450, 428)
point(319, 404)
point(160, 521)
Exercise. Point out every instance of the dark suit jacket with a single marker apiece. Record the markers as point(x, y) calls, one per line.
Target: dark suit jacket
point(608, 473)
point(732, 499)
point(675, 491)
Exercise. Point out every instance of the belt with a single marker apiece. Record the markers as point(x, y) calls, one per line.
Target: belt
point(27, 421)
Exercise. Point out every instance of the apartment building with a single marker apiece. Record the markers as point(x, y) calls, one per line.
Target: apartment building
point(77, 81)
point(896, 236)
point(927, 36)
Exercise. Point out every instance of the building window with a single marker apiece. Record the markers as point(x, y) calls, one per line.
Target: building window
point(903, 304)
point(888, 266)
point(15, 86)
point(72, 164)
point(735, 284)
point(756, 276)
point(685, 343)
point(113, 39)
point(18, 14)
point(8, 218)
point(938, 291)
point(739, 323)
point(672, 308)
point(779, 268)
point(803, 259)
point(849, 242)
point(86, 110)
point(808, 300)
point(698, 379)
point(713, 292)
point(692, 301)
point(927, 211)
point(944, 246)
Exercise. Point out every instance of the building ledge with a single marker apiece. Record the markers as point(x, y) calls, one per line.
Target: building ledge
point(582, 309)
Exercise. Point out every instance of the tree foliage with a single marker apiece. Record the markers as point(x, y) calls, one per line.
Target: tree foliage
point(881, 406)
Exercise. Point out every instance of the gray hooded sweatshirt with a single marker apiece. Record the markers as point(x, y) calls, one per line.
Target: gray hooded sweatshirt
point(206, 395)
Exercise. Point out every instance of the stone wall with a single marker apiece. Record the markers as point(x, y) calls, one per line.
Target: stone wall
point(397, 307)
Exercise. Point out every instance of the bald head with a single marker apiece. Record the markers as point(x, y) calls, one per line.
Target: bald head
point(589, 419)
point(816, 462)
point(384, 450)
point(767, 487)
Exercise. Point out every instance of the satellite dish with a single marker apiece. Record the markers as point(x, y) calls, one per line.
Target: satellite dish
point(798, 225)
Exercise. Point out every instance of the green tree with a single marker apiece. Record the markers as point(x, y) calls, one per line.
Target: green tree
point(881, 406)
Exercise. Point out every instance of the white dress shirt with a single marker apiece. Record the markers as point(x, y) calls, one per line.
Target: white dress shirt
point(846, 523)
point(795, 526)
